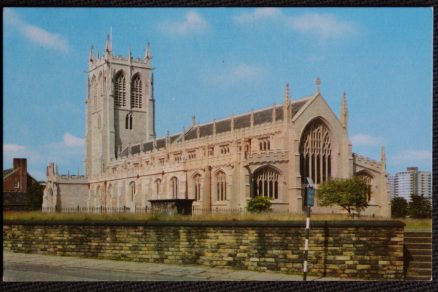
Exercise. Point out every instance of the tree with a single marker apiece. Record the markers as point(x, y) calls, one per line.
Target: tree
point(419, 207)
point(351, 194)
point(259, 204)
point(35, 192)
point(399, 207)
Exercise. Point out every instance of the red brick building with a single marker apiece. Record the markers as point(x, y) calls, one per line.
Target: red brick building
point(16, 182)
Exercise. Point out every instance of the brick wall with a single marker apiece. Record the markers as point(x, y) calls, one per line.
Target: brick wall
point(347, 249)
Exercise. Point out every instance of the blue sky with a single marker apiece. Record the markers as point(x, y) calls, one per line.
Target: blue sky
point(216, 62)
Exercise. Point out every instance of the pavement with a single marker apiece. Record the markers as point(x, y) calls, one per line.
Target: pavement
point(35, 267)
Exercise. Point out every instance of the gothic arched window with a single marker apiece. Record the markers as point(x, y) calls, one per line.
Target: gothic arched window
point(315, 152)
point(221, 186)
point(93, 91)
point(120, 90)
point(132, 190)
point(174, 187)
point(197, 186)
point(136, 92)
point(157, 186)
point(368, 179)
point(98, 89)
point(266, 182)
point(128, 121)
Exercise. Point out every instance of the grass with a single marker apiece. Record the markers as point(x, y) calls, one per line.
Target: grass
point(411, 224)
point(417, 224)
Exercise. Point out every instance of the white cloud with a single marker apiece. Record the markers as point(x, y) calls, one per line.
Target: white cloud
point(36, 34)
point(13, 148)
point(234, 75)
point(244, 71)
point(324, 26)
point(317, 25)
point(412, 157)
point(193, 22)
point(367, 140)
point(68, 154)
point(257, 15)
point(73, 141)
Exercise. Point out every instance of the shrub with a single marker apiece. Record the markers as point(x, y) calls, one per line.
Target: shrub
point(399, 207)
point(259, 204)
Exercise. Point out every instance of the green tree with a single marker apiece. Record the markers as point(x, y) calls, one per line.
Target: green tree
point(419, 207)
point(351, 194)
point(259, 204)
point(399, 207)
point(35, 193)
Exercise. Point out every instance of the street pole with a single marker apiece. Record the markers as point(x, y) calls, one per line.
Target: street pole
point(310, 194)
point(306, 243)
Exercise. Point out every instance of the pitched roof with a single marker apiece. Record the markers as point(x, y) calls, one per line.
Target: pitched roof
point(7, 171)
point(241, 121)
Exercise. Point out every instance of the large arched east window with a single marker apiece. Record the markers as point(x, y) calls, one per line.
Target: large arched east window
point(221, 186)
point(120, 90)
point(136, 92)
point(197, 186)
point(266, 182)
point(315, 152)
point(174, 187)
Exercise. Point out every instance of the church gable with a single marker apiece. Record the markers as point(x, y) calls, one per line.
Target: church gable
point(317, 107)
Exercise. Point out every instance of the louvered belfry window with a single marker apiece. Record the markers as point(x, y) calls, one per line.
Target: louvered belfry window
point(120, 90)
point(136, 93)
point(315, 153)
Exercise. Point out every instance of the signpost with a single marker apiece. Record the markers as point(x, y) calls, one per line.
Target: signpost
point(310, 199)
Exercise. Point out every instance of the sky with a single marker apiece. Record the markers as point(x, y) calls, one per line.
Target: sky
point(215, 62)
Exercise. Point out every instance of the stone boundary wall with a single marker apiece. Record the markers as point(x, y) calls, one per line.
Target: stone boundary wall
point(347, 249)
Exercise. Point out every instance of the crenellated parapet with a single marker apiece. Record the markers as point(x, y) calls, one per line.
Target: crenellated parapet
point(366, 162)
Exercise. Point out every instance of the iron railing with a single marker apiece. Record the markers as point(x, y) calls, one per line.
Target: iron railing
point(144, 210)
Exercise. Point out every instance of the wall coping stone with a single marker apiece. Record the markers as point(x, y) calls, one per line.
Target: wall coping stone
point(227, 223)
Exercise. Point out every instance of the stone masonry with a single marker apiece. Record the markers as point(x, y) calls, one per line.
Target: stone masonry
point(345, 249)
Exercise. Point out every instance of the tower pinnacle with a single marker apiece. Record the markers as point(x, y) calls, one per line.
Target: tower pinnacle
point(108, 49)
point(286, 94)
point(148, 54)
point(91, 56)
point(383, 157)
point(318, 83)
point(344, 111)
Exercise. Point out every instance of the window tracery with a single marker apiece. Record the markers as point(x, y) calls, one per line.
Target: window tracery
point(315, 153)
point(266, 182)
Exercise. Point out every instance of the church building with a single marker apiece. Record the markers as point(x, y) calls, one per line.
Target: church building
point(220, 165)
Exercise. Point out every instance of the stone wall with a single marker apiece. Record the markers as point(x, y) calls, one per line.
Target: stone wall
point(346, 249)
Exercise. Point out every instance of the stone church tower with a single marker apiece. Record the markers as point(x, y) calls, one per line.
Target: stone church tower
point(119, 106)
